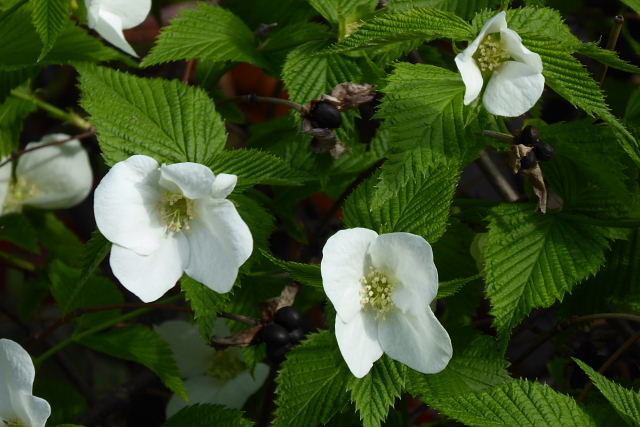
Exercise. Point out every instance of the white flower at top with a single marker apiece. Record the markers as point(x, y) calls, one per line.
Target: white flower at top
point(514, 72)
point(53, 177)
point(18, 406)
point(170, 219)
point(211, 376)
point(381, 287)
point(110, 17)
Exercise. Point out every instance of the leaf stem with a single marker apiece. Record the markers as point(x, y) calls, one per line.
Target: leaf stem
point(68, 116)
point(618, 21)
point(240, 318)
point(253, 98)
point(17, 154)
point(499, 136)
point(497, 178)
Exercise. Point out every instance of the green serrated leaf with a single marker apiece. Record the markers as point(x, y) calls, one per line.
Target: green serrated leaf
point(260, 220)
point(167, 120)
point(607, 57)
point(206, 32)
point(375, 393)
point(13, 111)
point(49, 17)
point(533, 260)
point(517, 403)
point(257, 167)
point(312, 383)
point(633, 4)
point(464, 8)
point(306, 76)
point(309, 274)
point(208, 414)
point(451, 287)
point(205, 304)
point(141, 345)
point(625, 401)
point(12, 79)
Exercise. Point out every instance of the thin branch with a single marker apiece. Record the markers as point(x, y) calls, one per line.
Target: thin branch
point(505, 137)
point(618, 21)
point(497, 178)
point(17, 154)
point(253, 98)
point(240, 318)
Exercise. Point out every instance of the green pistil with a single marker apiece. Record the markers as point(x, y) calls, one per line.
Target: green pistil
point(490, 53)
point(176, 211)
point(376, 292)
point(19, 192)
point(225, 365)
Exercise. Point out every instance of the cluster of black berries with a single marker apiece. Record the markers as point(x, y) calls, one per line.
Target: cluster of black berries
point(283, 334)
point(324, 115)
point(530, 136)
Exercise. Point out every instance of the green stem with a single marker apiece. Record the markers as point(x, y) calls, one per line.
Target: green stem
point(102, 326)
point(68, 116)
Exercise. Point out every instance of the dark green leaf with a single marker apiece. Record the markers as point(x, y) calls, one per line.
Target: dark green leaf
point(205, 304)
point(309, 274)
point(208, 415)
point(49, 17)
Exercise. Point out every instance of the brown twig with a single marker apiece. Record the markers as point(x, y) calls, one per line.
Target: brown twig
point(189, 69)
point(240, 318)
point(17, 154)
point(615, 356)
point(253, 98)
point(497, 178)
point(618, 21)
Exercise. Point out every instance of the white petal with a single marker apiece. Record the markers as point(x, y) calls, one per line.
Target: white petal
point(358, 342)
point(61, 174)
point(193, 180)
point(131, 12)
point(344, 263)
point(512, 43)
point(126, 205)
point(409, 260)
point(223, 185)
point(471, 76)
point(32, 410)
point(513, 89)
point(150, 276)
point(5, 180)
point(110, 27)
point(189, 349)
point(417, 340)
point(220, 243)
point(493, 25)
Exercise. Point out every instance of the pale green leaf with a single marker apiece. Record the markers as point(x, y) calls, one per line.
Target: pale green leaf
point(312, 383)
point(464, 8)
point(206, 32)
point(533, 260)
point(625, 401)
point(141, 345)
point(517, 403)
point(49, 17)
point(376, 392)
point(607, 57)
point(308, 274)
point(167, 120)
point(205, 304)
point(207, 415)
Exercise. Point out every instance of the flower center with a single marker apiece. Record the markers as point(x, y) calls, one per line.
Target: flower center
point(225, 365)
point(376, 292)
point(490, 53)
point(13, 422)
point(176, 211)
point(19, 192)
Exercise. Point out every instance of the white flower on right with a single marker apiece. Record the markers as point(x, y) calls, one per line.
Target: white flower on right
point(110, 17)
point(170, 219)
point(52, 177)
point(381, 287)
point(514, 72)
point(18, 405)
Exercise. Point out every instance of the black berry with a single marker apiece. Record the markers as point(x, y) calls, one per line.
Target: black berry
point(276, 353)
point(544, 152)
point(529, 136)
point(325, 115)
point(529, 161)
point(288, 317)
point(274, 334)
point(296, 335)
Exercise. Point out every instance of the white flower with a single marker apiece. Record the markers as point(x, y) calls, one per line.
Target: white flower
point(54, 177)
point(381, 287)
point(210, 376)
point(515, 73)
point(110, 17)
point(18, 405)
point(167, 220)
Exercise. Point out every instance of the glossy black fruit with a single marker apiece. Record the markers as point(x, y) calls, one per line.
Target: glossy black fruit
point(296, 335)
point(325, 115)
point(277, 353)
point(288, 317)
point(544, 152)
point(529, 136)
point(274, 334)
point(529, 161)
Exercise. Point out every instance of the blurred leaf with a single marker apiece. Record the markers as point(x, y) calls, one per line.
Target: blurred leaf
point(12, 79)
point(17, 229)
point(308, 274)
point(206, 415)
point(13, 112)
point(205, 304)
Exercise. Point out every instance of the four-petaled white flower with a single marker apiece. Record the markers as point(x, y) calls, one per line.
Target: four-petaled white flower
point(110, 17)
point(381, 287)
point(54, 177)
point(514, 72)
point(211, 376)
point(18, 405)
point(167, 220)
